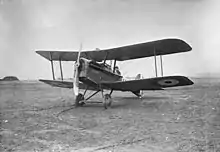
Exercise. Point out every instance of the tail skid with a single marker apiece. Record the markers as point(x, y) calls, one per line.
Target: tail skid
point(139, 93)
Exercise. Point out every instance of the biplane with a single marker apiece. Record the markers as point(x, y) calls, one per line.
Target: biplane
point(91, 71)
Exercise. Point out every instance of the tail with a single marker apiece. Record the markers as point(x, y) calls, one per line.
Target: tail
point(138, 77)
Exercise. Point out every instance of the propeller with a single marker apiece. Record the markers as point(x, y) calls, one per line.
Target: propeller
point(76, 74)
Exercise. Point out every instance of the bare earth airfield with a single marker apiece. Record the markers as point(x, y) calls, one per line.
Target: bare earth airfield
point(33, 118)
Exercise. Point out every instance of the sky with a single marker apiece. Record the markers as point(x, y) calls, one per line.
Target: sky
point(29, 25)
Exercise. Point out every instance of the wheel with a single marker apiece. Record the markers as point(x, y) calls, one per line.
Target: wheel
point(107, 101)
point(79, 100)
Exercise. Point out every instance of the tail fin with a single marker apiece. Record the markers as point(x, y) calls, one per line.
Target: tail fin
point(138, 77)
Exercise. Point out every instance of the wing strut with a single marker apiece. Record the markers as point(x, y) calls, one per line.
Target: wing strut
point(161, 65)
point(114, 66)
point(61, 70)
point(51, 61)
point(105, 57)
point(155, 61)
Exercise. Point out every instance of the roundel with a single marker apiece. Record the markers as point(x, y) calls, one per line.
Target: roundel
point(168, 82)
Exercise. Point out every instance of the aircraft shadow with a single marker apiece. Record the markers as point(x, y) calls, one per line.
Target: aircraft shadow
point(143, 98)
point(125, 102)
point(100, 105)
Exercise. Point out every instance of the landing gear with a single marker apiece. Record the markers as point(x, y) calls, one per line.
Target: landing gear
point(79, 100)
point(107, 102)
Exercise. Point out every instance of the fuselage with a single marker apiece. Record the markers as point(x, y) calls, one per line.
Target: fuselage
point(93, 73)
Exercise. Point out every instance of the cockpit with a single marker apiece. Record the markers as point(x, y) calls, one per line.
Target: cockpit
point(110, 69)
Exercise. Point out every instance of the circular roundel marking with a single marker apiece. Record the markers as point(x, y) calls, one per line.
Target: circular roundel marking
point(168, 82)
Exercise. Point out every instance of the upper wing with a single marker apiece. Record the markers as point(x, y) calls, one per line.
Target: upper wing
point(149, 84)
point(161, 47)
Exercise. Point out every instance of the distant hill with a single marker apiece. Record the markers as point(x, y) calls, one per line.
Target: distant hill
point(9, 78)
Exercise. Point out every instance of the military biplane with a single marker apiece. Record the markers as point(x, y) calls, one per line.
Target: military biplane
point(91, 71)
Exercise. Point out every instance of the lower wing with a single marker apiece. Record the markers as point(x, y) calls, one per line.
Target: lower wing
point(149, 84)
point(65, 84)
point(132, 85)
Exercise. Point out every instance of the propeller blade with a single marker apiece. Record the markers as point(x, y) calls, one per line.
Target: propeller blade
point(76, 81)
point(76, 74)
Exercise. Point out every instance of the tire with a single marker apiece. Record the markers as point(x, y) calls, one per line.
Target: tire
point(107, 101)
point(79, 98)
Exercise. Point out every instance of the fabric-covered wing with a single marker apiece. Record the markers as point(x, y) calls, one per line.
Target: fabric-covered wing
point(149, 84)
point(65, 84)
point(58, 55)
point(161, 47)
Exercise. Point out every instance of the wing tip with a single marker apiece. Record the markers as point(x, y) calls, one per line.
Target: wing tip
point(37, 51)
point(185, 47)
point(190, 82)
point(187, 80)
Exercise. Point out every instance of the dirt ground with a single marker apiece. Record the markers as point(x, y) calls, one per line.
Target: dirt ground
point(35, 117)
